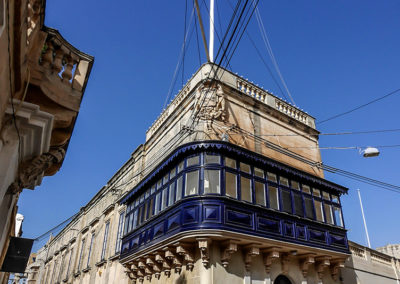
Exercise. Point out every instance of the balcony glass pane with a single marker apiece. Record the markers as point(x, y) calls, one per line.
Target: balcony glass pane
point(231, 184)
point(179, 186)
point(245, 168)
point(284, 181)
point(260, 193)
point(316, 192)
point(295, 185)
point(159, 184)
point(157, 205)
point(151, 207)
point(180, 167)
point(230, 163)
point(245, 187)
point(144, 218)
point(258, 172)
point(212, 181)
point(318, 210)
point(272, 177)
point(335, 198)
point(298, 205)
point(326, 196)
point(140, 215)
point(164, 198)
point(192, 183)
point(286, 201)
point(172, 173)
point(166, 178)
point(337, 213)
point(273, 197)
point(192, 161)
point(308, 204)
point(328, 213)
point(306, 189)
point(171, 194)
point(212, 159)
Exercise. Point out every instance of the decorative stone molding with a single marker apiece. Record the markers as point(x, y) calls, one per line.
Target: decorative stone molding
point(320, 264)
point(33, 169)
point(305, 261)
point(210, 103)
point(204, 244)
point(250, 251)
point(228, 248)
point(269, 256)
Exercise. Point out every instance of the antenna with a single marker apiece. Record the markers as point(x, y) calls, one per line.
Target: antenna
point(211, 43)
point(365, 223)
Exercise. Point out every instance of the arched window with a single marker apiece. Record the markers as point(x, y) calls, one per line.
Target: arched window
point(281, 279)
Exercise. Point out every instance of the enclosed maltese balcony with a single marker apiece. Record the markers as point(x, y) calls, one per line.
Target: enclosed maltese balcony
point(219, 192)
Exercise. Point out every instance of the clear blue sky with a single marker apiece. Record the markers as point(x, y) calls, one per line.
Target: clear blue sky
point(334, 55)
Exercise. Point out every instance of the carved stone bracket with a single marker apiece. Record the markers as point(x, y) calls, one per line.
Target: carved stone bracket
point(321, 263)
point(30, 170)
point(305, 261)
point(250, 251)
point(186, 251)
point(174, 258)
point(285, 260)
point(228, 248)
point(204, 245)
point(270, 255)
point(165, 264)
point(335, 267)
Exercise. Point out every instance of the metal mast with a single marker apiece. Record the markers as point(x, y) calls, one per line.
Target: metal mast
point(365, 223)
point(211, 43)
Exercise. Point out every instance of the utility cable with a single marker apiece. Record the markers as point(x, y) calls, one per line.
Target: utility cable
point(271, 54)
point(359, 107)
point(335, 133)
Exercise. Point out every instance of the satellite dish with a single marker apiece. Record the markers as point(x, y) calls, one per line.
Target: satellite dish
point(369, 152)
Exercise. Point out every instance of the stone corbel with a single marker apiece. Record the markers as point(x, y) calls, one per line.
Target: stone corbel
point(157, 270)
point(270, 255)
point(165, 266)
point(149, 261)
point(141, 264)
point(335, 267)
point(320, 264)
point(174, 258)
point(250, 252)
point(186, 251)
point(134, 266)
point(305, 261)
point(140, 276)
point(228, 248)
point(204, 245)
point(131, 275)
point(148, 272)
point(285, 260)
point(30, 170)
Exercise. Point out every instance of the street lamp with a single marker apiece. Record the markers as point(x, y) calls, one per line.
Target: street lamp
point(369, 152)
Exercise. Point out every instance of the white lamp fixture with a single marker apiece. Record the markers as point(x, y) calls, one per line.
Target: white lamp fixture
point(369, 152)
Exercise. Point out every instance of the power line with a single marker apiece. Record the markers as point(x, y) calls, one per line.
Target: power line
point(335, 133)
point(359, 107)
point(344, 147)
point(271, 54)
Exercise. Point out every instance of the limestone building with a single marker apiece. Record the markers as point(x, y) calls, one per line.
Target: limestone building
point(42, 81)
point(390, 249)
point(227, 188)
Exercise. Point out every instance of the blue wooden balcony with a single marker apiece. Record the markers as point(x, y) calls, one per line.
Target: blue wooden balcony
point(207, 187)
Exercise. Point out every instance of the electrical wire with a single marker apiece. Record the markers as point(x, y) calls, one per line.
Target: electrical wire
point(271, 54)
point(335, 133)
point(184, 41)
point(359, 107)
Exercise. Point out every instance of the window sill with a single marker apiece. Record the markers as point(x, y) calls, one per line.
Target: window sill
point(65, 280)
point(114, 257)
point(77, 274)
point(100, 263)
point(86, 269)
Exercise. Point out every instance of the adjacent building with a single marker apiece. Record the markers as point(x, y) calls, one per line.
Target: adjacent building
point(42, 81)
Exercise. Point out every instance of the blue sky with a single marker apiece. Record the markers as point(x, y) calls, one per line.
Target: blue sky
point(334, 55)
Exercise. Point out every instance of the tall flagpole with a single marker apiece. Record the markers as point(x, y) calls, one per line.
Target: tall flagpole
point(211, 43)
point(365, 223)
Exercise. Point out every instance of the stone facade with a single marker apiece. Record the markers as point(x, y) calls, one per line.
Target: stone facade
point(40, 96)
point(391, 249)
